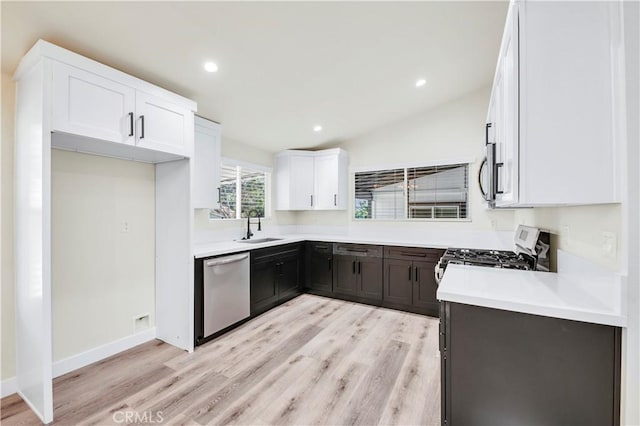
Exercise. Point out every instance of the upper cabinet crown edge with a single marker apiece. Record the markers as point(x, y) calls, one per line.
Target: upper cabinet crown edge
point(93, 108)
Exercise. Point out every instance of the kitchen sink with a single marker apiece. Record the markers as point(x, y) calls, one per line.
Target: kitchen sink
point(259, 240)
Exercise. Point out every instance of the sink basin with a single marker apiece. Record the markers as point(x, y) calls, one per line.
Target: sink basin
point(259, 240)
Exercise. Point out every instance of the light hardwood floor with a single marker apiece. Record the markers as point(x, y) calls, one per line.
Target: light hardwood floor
point(311, 361)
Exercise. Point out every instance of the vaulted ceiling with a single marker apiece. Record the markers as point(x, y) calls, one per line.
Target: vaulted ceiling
point(284, 67)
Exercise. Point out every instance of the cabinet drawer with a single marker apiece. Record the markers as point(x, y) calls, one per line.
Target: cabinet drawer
point(363, 250)
point(278, 251)
point(412, 253)
point(319, 247)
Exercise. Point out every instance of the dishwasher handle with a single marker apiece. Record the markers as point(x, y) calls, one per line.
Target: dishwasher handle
point(227, 260)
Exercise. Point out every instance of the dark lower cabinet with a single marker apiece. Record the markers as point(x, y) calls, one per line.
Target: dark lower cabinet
point(398, 281)
point(409, 280)
point(509, 368)
point(344, 275)
point(425, 287)
point(276, 276)
point(264, 284)
point(358, 271)
point(319, 267)
point(369, 281)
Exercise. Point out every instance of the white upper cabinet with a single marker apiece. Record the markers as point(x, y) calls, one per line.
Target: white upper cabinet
point(206, 165)
point(557, 109)
point(294, 177)
point(311, 180)
point(163, 126)
point(330, 169)
point(90, 105)
point(99, 110)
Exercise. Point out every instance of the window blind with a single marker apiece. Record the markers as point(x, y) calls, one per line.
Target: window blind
point(438, 192)
point(380, 194)
point(228, 192)
point(430, 192)
point(253, 192)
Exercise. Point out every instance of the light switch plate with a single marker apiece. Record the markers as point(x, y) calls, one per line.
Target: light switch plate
point(609, 244)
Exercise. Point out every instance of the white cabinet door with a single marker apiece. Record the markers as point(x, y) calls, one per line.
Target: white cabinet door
point(206, 165)
point(326, 182)
point(302, 182)
point(163, 126)
point(507, 139)
point(89, 105)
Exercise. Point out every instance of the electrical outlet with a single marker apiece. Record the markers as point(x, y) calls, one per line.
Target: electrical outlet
point(124, 227)
point(609, 244)
point(494, 224)
point(140, 322)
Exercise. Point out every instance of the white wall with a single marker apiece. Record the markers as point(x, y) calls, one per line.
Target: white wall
point(8, 346)
point(211, 230)
point(448, 132)
point(102, 276)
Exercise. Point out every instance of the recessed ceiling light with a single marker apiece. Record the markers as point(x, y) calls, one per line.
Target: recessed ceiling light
point(210, 66)
point(317, 128)
point(421, 82)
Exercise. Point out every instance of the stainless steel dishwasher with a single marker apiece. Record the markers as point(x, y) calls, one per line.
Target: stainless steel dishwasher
point(226, 292)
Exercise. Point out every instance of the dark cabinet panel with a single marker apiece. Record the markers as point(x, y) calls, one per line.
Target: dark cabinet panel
point(319, 266)
point(369, 277)
point(409, 281)
point(264, 287)
point(510, 368)
point(275, 276)
point(398, 281)
point(344, 275)
point(288, 276)
point(425, 286)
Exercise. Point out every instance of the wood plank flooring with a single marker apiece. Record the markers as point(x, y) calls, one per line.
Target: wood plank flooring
point(311, 361)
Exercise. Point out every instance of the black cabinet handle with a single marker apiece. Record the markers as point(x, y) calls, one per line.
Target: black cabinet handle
point(218, 195)
point(486, 133)
point(497, 174)
point(130, 124)
point(409, 273)
point(311, 200)
point(413, 254)
point(142, 130)
point(335, 199)
point(416, 274)
point(359, 267)
point(353, 266)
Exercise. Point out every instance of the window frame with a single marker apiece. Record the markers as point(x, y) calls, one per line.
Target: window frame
point(406, 166)
point(239, 165)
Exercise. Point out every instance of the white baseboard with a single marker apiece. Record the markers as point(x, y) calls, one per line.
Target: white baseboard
point(64, 366)
point(8, 386)
point(83, 359)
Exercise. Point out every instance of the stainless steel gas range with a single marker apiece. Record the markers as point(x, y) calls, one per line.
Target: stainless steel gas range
point(531, 254)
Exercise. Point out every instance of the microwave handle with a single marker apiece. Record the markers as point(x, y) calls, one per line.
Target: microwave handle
point(482, 191)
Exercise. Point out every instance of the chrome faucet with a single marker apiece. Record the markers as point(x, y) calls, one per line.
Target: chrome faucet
point(249, 233)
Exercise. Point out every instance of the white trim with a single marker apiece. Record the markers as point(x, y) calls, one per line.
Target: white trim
point(83, 359)
point(8, 387)
point(429, 163)
point(33, 409)
point(245, 164)
point(48, 50)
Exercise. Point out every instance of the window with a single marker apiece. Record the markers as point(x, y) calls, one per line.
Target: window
point(244, 188)
point(431, 192)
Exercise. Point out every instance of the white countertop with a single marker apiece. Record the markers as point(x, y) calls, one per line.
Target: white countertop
point(436, 240)
point(579, 291)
